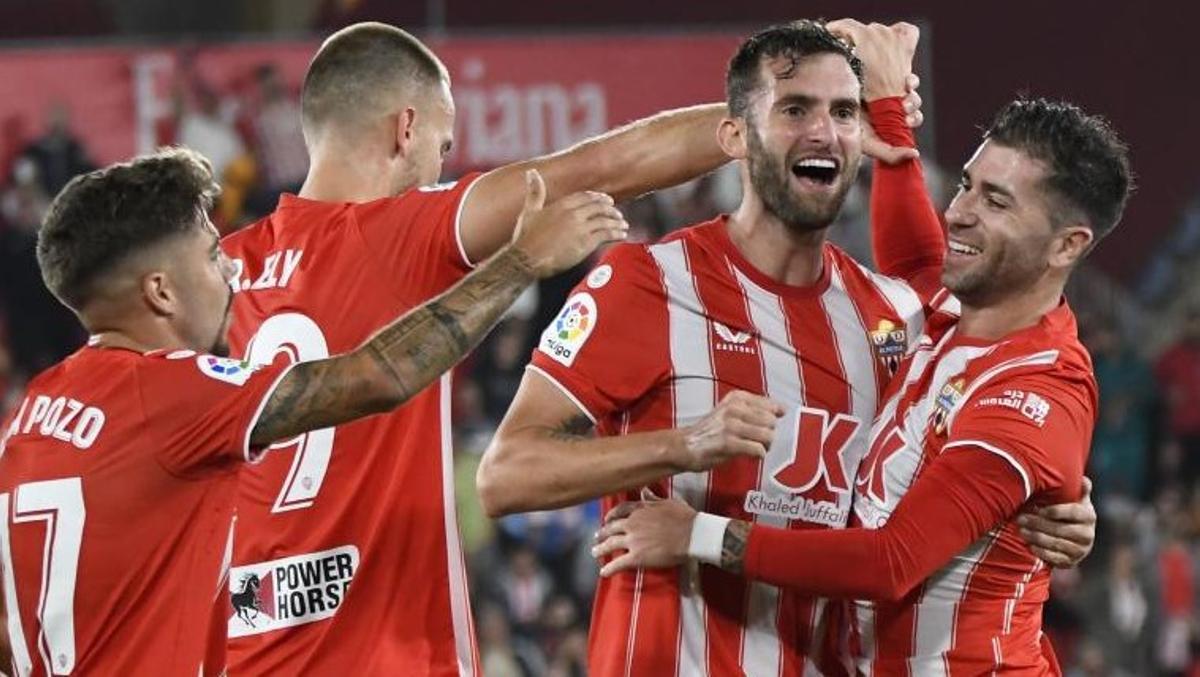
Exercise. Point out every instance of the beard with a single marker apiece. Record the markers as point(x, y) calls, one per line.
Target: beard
point(772, 183)
point(220, 343)
point(1006, 268)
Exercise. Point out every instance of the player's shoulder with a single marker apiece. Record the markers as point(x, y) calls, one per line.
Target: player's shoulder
point(173, 370)
point(417, 200)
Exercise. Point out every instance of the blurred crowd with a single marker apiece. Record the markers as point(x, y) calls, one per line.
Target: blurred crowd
point(1130, 609)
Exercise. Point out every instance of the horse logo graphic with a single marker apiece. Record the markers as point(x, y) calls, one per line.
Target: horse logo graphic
point(248, 603)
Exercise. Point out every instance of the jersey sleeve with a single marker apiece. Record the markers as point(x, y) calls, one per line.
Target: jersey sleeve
point(954, 502)
point(906, 234)
point(416, 233)
point(605, 349)
point(201, 409)
point(1039, 423)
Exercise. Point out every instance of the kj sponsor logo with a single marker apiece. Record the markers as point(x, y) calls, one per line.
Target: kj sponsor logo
point(290, 591)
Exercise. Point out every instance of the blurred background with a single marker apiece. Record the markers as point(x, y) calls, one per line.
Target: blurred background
point(88, 82)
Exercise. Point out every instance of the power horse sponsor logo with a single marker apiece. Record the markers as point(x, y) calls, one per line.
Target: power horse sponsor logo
point(290, 591)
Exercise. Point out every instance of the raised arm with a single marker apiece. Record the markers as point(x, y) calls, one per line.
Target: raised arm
point(906, 233)
point(409, 354)
point(656, 152)
point(543, 455)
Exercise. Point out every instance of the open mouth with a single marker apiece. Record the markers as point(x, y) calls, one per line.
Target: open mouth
point(963, 249)
point(819, 170)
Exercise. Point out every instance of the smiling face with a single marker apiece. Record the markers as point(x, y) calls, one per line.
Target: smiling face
point(804, 138)
point(1000, 226)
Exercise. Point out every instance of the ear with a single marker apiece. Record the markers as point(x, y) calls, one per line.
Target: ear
point(159, 294)
point(405, 133)
point(1071, 244)
point(732, 137)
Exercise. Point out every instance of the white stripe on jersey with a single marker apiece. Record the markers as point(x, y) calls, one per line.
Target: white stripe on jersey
point(902, 298)
point(16, 632)
point(460, 609)
point(933, 632)
point(1002, 454)
point(850, 336)
point(694, 395)
point(761, 653)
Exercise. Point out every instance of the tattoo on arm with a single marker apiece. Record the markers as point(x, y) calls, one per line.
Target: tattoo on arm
point(573, 429)
point(400, 360)
point(733, 548)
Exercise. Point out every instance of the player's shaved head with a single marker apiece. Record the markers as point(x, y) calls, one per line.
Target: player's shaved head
point(363, 72)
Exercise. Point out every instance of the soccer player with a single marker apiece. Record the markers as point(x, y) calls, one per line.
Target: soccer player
point(119, 468)
point(991, 411)
point(366, 238)
point(670, 350)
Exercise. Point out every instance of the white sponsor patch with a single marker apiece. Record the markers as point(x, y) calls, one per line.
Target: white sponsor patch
point(794, 507)
point(290, 591)
point(225, 369)
point(1031, 405)
point(566, 335)
point(600, 276)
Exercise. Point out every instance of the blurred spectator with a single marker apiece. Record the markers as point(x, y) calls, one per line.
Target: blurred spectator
point(1120, 613)
point(501, 654)
point(41, 331)
point(24, 203)
point(1119, 459)
point(524, 586)
point(502, 365)
point(207, 126)
point(1176, 567)
point(279, 140)
point(57, 154)
point(1178, 372)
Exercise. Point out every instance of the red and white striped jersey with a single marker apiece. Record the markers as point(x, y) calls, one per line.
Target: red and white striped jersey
point(1029, 398)
point(653, 338)
point(349, 532)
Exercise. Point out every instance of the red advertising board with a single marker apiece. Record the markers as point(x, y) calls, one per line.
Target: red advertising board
point(516, 96)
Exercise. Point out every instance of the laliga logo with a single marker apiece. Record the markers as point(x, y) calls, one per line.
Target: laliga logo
point(225, 367)
point(574, 321)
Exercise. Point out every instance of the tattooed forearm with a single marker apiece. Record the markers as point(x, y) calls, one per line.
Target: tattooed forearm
point(422, 345)
point(733, 548)
point(400, 360)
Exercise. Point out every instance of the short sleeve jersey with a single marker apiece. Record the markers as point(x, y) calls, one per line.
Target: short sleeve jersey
point(1029, 398)
point(346, 551)
point(653, 338)
point(117, 484)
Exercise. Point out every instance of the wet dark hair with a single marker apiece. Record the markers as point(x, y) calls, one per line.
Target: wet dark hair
point(1088, 165)
point(359, 65)
point(794, 40)
point(102, 217)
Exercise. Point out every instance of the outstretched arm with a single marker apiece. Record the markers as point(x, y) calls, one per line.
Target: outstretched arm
point(409, 354)
point(906, 233)
point(659, 151)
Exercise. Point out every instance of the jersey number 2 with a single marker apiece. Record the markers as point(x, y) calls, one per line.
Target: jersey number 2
point(58, 503)
point(302, 340)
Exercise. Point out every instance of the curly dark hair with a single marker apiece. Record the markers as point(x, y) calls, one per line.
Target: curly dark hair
point(1088, 165)
point(793, 40)
point(102, 217)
